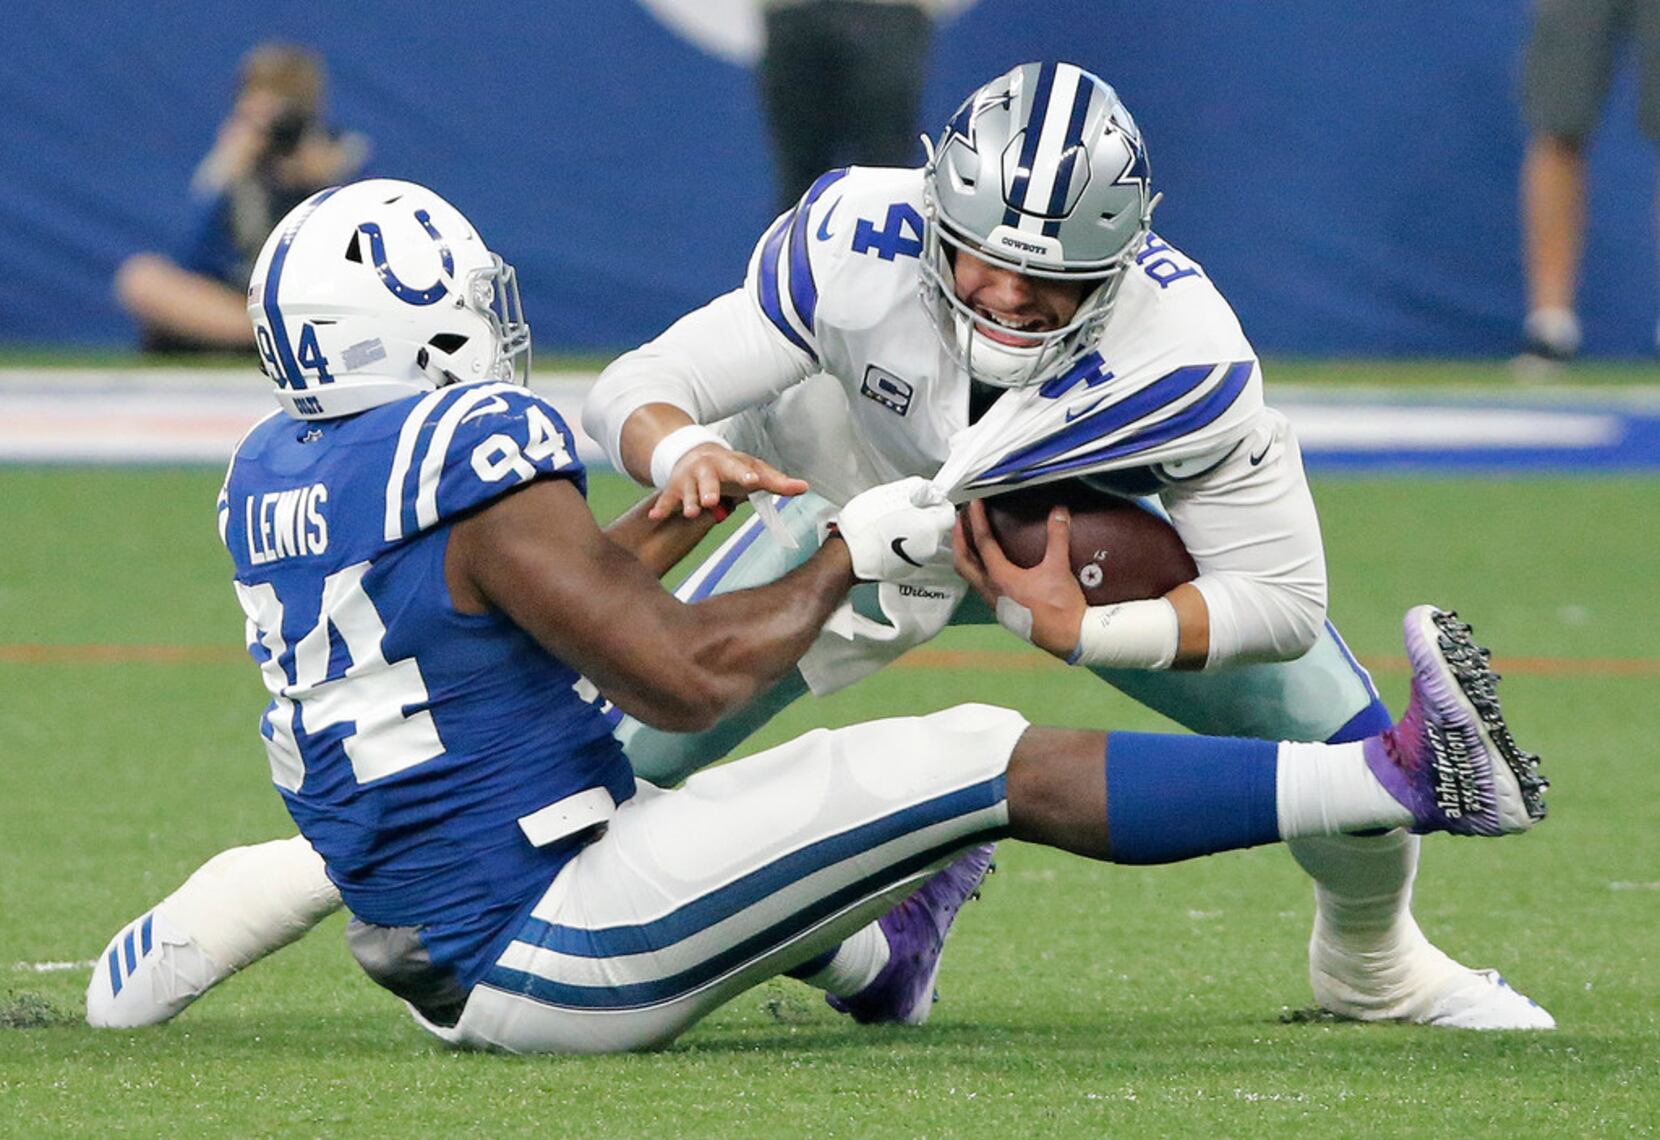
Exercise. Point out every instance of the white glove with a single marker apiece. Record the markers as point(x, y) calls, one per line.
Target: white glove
point(897, 530)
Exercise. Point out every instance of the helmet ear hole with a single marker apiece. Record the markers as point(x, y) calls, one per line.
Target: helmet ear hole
point(448, 343)
point(354, 252)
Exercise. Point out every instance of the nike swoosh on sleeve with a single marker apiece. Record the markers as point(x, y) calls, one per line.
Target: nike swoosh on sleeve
point(824, 233)
point(495, 405)
point(1075, 413)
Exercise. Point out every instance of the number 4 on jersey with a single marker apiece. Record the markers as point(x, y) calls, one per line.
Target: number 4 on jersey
point(900, 235)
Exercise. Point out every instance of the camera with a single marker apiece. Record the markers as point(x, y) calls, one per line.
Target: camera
point(286, 130)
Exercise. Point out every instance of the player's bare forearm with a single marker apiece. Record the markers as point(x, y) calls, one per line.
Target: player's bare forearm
point(751, 638)
point(642, 431)
point(659, 543)
point(538, 557)
point(684, 667)
point(699, 477)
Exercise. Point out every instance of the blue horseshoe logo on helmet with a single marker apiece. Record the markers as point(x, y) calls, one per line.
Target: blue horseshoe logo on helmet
point(377, 252)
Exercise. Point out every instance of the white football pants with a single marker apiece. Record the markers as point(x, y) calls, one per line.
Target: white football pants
point(693, 895)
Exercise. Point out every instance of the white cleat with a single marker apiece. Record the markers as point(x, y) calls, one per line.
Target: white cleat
point(1420, 986)
point(147, 974)
point(1482, 999)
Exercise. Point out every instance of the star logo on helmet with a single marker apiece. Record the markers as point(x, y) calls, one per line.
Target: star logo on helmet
point(1136, 171)
point(961, 125)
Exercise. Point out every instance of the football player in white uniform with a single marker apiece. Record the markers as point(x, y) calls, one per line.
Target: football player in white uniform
point(1005, 315)
point(425, 589)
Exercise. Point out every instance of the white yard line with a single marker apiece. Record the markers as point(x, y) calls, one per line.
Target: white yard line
point(52, 967)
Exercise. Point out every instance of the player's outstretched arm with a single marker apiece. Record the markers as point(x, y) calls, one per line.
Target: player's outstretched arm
point(691, 466)
point(538, 556)
point(711, 363)
point(660, 543)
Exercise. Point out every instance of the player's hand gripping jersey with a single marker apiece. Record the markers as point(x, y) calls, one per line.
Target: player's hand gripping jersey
point(1169, 401)
point(408, 739)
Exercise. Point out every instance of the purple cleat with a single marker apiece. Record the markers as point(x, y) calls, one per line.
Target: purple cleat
point(1451, 759)
point(903, 992)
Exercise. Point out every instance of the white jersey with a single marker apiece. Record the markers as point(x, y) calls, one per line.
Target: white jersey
point(1172, 379)
point(827, 364)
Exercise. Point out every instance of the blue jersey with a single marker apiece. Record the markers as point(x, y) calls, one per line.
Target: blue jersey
point(407, 738)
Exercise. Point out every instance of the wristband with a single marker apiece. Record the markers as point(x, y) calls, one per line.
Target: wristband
point(674, 446)
point(1129, 635)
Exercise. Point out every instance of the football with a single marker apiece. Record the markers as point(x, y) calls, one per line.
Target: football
point(1120, 552)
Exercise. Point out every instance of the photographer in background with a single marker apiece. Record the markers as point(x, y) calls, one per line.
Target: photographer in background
point(273, 150)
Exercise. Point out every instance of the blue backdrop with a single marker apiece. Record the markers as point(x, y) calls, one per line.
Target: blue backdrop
point(1346, 173)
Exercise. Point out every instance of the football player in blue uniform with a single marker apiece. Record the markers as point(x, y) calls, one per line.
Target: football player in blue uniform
point(425, 592)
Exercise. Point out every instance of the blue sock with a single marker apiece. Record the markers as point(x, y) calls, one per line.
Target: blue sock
point(1173, 797)
point(1369, 721)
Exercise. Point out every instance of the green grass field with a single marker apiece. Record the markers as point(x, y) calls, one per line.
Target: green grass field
point(1079, 1000)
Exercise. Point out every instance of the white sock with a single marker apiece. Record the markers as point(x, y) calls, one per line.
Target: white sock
point(1328, 789)
point(246, 902)
point(1557, 328)
point(1366, 951)
point(1362, 886)
point(856, 964)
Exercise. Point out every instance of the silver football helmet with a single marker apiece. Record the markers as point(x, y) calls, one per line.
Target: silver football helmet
point(1043, 172)
point(367, 293)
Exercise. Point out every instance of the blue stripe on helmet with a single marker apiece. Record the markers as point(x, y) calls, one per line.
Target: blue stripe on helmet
point(1070, 150)
point(131, 951)
point(1016, 201)
point(114, 963)
point(286, 363)
point(144, 942)
point(1040, 458)
point(771, 305)
point(803, 289)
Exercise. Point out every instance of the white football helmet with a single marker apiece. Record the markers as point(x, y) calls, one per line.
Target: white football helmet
point(367, 293)
point(1041, 171)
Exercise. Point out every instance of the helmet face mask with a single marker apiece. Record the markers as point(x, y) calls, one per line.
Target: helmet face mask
point(1041, 172)
point(492, 293)
point(371, 292)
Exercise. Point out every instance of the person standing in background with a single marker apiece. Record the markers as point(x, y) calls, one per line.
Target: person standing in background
point(841, 83)
point(1571, 57)
point(273, 151)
